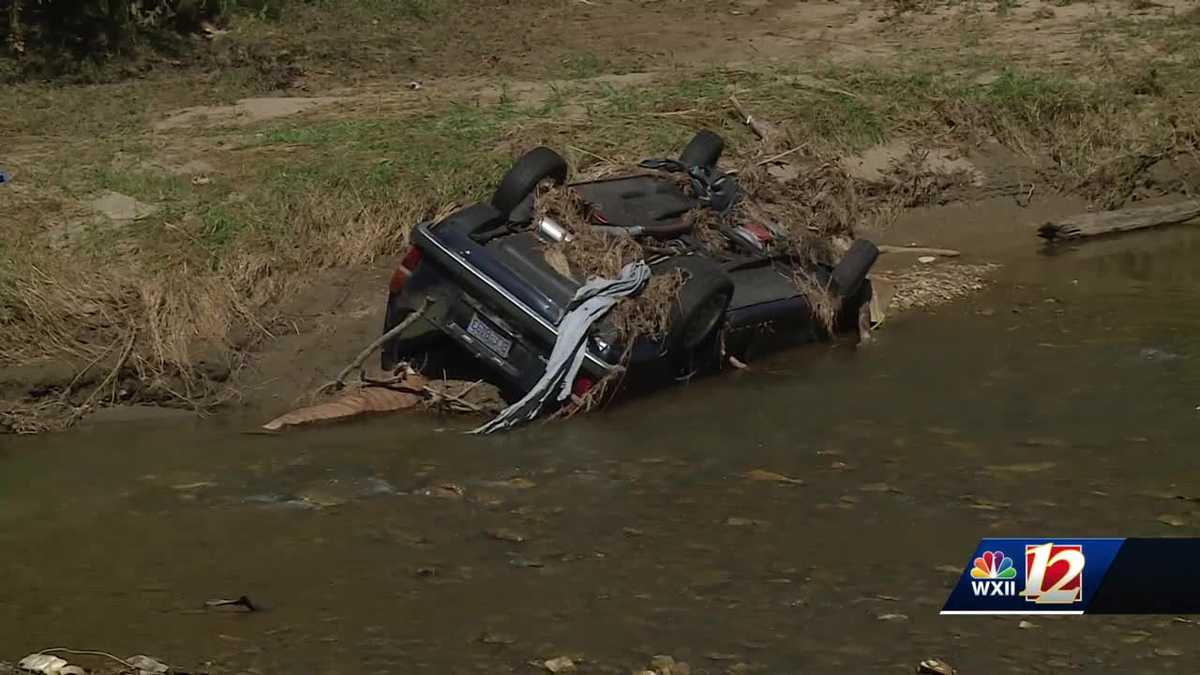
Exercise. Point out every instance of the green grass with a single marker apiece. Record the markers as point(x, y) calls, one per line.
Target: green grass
point(219, 226)
point(583, 65)
point(147, 186)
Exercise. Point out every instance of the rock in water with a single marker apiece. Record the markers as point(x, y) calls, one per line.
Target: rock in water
point(147, 665)
point(42, 663)
point(561, 664)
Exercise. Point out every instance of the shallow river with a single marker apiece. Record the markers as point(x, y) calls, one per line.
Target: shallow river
point(1063, 401)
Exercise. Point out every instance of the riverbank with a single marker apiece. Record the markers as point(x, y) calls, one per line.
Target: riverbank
point(221, 230)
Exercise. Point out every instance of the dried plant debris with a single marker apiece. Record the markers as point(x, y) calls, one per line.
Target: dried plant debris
point(410, 392)
point(348, 404)
point(929, 286)
point(592, 252)
point(820, 300)
point(813, 200)
point(595, 253)
point(648, 314)
point(821, 201)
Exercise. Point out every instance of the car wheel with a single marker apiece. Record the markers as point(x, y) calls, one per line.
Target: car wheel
point(700, 306)
point(532, 168)
point(854, 267)
point(703, 150)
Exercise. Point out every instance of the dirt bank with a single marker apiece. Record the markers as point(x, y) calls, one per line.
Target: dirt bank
point(204, 236)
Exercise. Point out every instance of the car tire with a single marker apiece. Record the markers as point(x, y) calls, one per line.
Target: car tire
point(700, 306)
point(532, 168)
point(854, 267)
point(704, 149)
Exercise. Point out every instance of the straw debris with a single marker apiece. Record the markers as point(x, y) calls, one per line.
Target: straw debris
point(592, 252)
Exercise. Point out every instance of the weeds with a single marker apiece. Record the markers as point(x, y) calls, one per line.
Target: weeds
point(583, 65)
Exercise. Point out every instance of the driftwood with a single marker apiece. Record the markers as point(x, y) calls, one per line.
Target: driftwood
point(1106, 222)
point(768, 133)
point(920, 250)
point(339, 383)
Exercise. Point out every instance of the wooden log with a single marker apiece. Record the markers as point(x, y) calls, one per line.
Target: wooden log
point(920, 250)
point(1106, 222)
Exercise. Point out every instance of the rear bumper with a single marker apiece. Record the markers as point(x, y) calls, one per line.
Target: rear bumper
point(449, 278)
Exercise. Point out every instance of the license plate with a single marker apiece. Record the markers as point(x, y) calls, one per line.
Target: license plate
point(488, 336)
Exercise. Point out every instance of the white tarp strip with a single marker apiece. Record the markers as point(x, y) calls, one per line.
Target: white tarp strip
point(591, 301)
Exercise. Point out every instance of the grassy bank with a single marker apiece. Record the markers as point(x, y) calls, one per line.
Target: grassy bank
point(249, 214)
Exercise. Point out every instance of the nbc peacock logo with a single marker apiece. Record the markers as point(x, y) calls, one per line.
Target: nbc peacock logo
point(993, 575)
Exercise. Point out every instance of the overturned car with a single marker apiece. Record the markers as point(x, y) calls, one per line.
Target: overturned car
point(487, 289)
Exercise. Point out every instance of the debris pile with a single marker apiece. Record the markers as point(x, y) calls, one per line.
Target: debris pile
point(592, 252)
point(402, 392)
point(928, 286)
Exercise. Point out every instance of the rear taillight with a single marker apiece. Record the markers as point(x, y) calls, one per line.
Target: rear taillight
point(411, 259)
point(583, 384)
point(408, 265)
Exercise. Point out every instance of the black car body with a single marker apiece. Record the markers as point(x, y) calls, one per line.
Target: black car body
point(486, 290)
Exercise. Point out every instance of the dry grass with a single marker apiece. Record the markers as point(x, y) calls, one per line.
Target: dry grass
point(176, 308)
point(590, 252)
point(706, 225)
point(821, 207)
point(820, 203)
point(649, 314)
point(1099, 141)
point(595, 253)
point(820, 299)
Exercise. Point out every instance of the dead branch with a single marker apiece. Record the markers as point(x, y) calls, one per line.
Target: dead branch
point(1124, 220)
point(339, 383)
point(438, 395)
point(826, 88)
point(920, 250)
point(781, 155)
point(765, 131)
point(673, 113)
point(591, 154)
point(108, 379)
point(387, 382)
point(78, 376)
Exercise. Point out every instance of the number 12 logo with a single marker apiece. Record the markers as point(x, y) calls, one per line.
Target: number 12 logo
point(1053, 573)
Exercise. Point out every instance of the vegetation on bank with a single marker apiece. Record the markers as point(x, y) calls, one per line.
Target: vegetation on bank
point(108, 40)
point(248, 214)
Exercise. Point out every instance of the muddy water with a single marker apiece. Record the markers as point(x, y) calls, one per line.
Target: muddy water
point(1062, 402)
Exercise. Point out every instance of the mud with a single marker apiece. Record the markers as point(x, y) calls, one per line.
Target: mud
point(245, 111)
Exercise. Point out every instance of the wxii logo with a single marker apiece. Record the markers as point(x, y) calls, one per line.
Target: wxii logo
point(993, 574)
